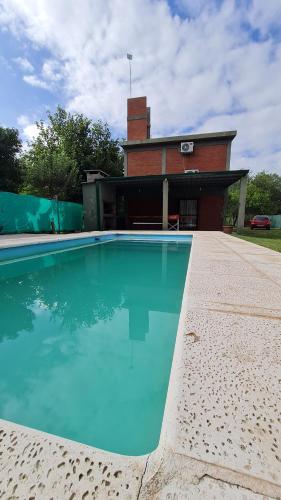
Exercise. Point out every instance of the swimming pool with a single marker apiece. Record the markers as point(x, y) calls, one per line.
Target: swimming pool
point(87, 338)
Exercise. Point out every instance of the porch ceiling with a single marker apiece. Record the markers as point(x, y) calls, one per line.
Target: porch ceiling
point(201, 179)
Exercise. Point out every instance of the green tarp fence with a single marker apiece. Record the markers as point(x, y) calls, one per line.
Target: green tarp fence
point(275, 221)
point(31, 214)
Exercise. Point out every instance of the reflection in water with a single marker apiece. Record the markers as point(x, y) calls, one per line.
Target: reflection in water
point(138, 322)
point(86, 341)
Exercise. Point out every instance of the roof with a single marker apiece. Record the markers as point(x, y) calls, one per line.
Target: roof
point(230, 134)
point(96, 171)
point(220, 179)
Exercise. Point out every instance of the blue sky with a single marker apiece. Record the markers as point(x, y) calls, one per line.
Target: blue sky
point(18, 97)
point(205, 65)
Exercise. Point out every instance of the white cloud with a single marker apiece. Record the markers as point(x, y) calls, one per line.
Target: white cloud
point(24, 64)
point(23, 120)
point(49, 77)
point(256, 146)
point(36, 82)
point(30, 131)
point(28, 128)
point(217, 66)
point(51, 71)
point(265, 16)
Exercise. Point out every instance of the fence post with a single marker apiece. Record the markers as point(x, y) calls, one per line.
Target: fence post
point(165, 206)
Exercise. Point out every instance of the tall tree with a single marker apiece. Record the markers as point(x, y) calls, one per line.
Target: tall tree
point(10, 147)
point(82, 143)
point(263, 196)
point(50, 173)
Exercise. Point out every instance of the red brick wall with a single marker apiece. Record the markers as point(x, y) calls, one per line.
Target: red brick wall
point(144, 162)
point(137, 128)
point(136, 106)
point(149, 162)
point(203, 158)
point(210, 213)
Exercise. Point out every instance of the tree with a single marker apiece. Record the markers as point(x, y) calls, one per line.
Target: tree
point(263, 196)
point(107, 153)
point(80, 143)
point(50, 173)
point(89, 143)
point(10, 147)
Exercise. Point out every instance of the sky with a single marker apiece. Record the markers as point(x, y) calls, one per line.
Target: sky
point(204, 65)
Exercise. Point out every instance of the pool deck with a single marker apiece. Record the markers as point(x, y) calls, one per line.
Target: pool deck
point(221, 432)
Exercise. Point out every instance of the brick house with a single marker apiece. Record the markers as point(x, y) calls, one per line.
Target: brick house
point(169, 182)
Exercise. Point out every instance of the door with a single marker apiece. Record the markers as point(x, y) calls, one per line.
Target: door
point(188, 214)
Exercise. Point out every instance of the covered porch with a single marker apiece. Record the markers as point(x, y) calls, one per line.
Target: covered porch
point(170, 201)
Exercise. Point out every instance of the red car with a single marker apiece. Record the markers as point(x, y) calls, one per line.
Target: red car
point(261, 222)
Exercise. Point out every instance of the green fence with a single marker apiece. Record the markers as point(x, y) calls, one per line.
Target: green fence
point(275, 221)
point(30, 214)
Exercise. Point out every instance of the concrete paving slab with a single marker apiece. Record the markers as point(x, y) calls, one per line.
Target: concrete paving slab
point(270, 269)
point(227, 373)
point(222, 267)
point(40, 466)
point(247, 291)
point(207, 488)
point(213, 489)
point(229, 412)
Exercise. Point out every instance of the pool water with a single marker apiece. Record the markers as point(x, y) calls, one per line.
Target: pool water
point(87, 339)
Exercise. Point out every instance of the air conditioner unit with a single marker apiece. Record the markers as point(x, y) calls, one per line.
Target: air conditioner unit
point(189, 171)
point(187, 147)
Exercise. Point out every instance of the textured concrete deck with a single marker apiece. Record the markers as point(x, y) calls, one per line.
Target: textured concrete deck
point(221, 429)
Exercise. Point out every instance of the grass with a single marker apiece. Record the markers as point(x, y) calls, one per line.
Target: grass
point(270, 239)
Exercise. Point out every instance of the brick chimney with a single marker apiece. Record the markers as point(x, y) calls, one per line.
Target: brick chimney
point(138, 121)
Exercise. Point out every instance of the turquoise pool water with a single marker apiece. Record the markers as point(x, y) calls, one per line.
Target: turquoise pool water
point(87, 339)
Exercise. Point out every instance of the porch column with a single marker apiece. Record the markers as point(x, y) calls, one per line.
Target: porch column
point(242, 202)
point(165, 206)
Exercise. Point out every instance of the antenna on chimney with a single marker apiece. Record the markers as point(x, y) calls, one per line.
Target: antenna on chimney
point(130, 57)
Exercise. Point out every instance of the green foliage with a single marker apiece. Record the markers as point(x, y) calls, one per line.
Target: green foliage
point(263, 196)
point(89, 143)
point(10, 147)
point(50, 173)
point(65, 147)
point(232, 204)
point(107, 153)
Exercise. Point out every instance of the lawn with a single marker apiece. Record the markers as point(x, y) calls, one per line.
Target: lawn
point(270, 239)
